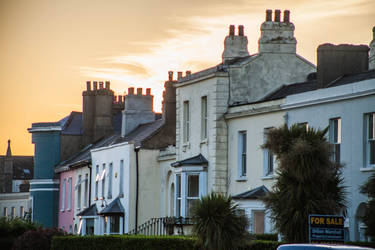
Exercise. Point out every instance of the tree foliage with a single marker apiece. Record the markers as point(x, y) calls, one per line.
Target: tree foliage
point(369, 218)
point(218, 225)
point(308, 182)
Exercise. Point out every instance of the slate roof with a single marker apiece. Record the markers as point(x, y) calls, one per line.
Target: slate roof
point(90, 211)
point(291, 89)
point(253, 194)
point(197, 160)
point(142, 132)
point(115, 207)
point(347, 79)
point(72, 124)
point(23, 167)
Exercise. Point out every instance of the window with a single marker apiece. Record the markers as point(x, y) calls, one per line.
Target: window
point(335, 138)
point(86, 190)
point(5, 213)
point(192, 193)
point(13, 212)
point(69, 193)
point(242, 148)
point(122, 178)
point(178, 195)
point(114, 226)
point(63, 190)
point(22, 211)
point(258, 226)
point(102, 177)
point(186, 128)
point(79, 191)
point(370, 140)
point(190, 186)
point(304, 124)
point(109, 195)
point(204, 117)
point(269, 160)
point(97, 182)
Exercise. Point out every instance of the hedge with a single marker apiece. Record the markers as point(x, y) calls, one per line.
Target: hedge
point(263, 245)
point(267, 237)
point(126, 242)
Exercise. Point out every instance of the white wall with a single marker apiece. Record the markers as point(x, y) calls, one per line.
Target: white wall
point(349, 102)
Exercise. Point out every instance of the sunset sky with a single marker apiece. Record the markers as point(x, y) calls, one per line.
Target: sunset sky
point(49, 48)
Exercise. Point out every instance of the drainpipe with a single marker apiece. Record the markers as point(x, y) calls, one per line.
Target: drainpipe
point(136, 150)
point(90, 169)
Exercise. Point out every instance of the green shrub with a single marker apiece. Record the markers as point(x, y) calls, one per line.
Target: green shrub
point(126, 242)
point(11, 228)
point(268, 237)
point(39, 239)
point(263, 245)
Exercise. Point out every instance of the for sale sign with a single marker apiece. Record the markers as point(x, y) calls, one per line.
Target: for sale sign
point(326, 228)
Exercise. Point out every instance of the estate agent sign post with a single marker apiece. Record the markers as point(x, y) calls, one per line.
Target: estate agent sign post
point(326, 228)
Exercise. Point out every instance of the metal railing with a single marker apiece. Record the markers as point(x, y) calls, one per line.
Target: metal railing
point(162, 226)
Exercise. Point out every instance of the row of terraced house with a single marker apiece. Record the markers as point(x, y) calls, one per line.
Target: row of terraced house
point(118, 167)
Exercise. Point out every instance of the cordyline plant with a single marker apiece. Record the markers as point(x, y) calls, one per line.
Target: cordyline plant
point(218, 224)
point(308, 182)
point(369, 218)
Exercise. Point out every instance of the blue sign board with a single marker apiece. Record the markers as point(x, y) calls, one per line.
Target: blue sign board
point(326, 228)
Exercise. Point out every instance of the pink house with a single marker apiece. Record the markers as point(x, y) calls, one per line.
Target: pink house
point(66, 203)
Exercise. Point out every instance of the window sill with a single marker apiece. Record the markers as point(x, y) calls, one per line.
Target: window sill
point(185, 145)
point(367, 169)
point(268, 177)
point(204, 141)
point(241, 178)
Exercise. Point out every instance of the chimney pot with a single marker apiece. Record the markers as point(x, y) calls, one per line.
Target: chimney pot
point(170, 75)
point(231, 30)
point(148, 91)
point(88, 85)
point(188, 72)
point(179, 75)
point(268, 15)
point(139, 91)
point(114, 98)
point(277, 16)
point(120, 98)
point(240, 30)
point(131, 91)
point(95, 85)
point(107, 84)
point(286, 16)
point(100, 85)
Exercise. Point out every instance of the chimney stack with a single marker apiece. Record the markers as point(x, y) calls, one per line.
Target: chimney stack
point(277, 16)
point(88, 85)
point(170, 75)
point(131, 91)
point(240, 30)
point(372, 51)
point(268, 15)
point(139, 91)
point(286, 16)
point(335, 61)
point(107, 84)
point(188, 72)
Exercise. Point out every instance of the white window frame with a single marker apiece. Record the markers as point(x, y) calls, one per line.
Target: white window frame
point(268, 158)
point(79, 192)
point(63, 190)
point(369, 139)
point(69, 200)
point(242, 155)
point(335, 138)
point(110, 175)
point(13, 212)
point(97, 177)
point(184, 173)
point(204, 123)
point(86, 194)
point(186, 124)
point(22, 211)
point(102, 178)
point(121, 191)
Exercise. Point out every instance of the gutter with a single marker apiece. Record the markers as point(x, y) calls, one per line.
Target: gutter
point(136, 150)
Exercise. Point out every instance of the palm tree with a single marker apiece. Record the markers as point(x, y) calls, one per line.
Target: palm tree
point(308, 181)
point(218, 225)
point(369, 218)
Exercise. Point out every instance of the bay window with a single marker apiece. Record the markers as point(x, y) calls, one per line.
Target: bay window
point(370, 140)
